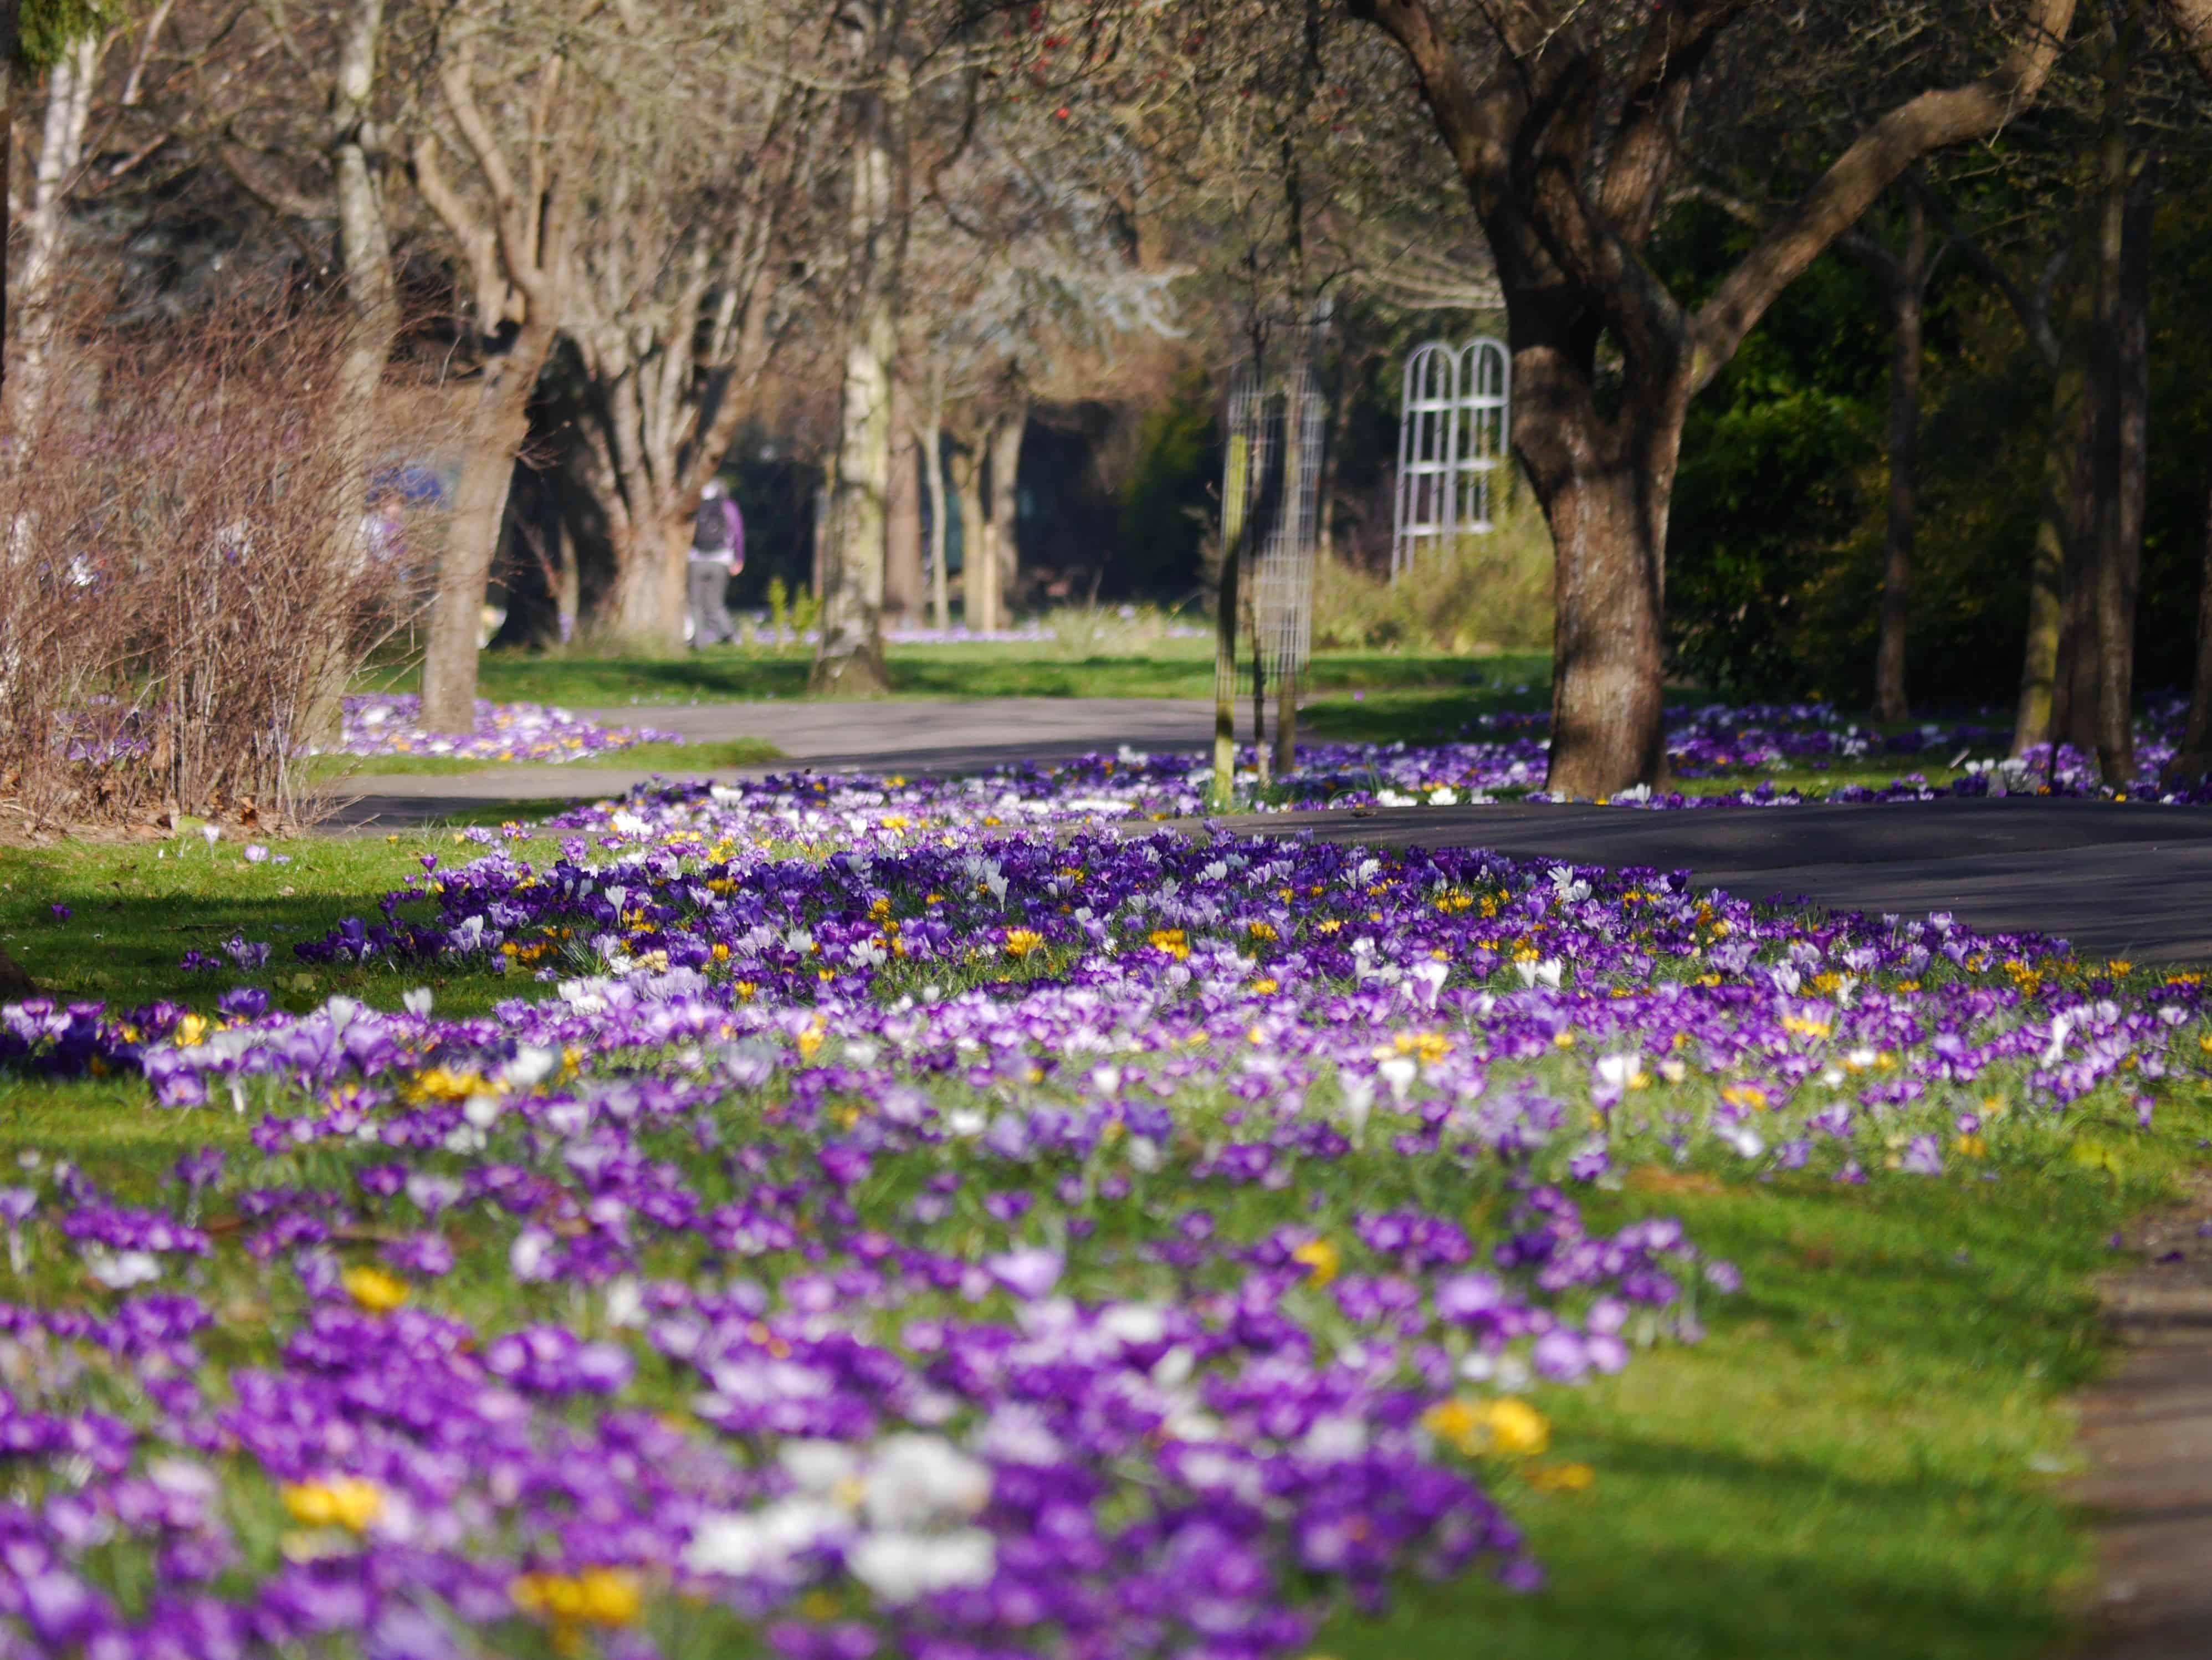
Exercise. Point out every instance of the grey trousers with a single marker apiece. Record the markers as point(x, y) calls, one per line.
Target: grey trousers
point(709, 584)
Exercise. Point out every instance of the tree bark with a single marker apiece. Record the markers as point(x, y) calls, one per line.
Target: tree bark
point(979, 591)
point(963, 467)
point(2193, 760)
point(1565, 151)
point(1607, 509)
point(929, 441)
point(2073, 713)
point(1004, 547)
point(2128, 348)
point(498, 426)
point(1908, 297)
point(372, 301)
point(902, 580)
point(2057, 532)
point(848, 660)
point(1235, 493)
point(10, 42)
point(70, 85)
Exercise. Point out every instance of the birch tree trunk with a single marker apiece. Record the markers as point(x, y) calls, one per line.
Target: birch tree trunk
point(849, 660)
point(372, 301)
point(69, 86)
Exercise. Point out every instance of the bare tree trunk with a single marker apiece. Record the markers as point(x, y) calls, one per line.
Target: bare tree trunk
point(963, 464)
point(2126, 331)
point(520, 250)
point(2193, 760)
point(979, 609)
point(2057, 528)
point(70, 86)
point(902, 531)
point(1005, 505)
point(1908, 295)
point(1606, 498)
point(371, 299)
point(650, 598)
point(568, 580)
point(849, 660)
point(10, 42)
point(2074, 710)
point(497, 428)
point(1236, 490)
point(929, 440)
point(1340, 415)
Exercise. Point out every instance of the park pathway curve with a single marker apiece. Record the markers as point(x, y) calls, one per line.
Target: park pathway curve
point(2147, 1431)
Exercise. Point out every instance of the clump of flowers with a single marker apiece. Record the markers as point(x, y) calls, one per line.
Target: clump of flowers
point(390, 723)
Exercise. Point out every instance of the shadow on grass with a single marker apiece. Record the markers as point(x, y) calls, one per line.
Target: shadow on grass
point(132, 916)
point(1842, 1470)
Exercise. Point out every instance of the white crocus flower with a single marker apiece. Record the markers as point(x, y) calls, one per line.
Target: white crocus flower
point(121, 1270)
point(921, 1480)
point(899, 1567)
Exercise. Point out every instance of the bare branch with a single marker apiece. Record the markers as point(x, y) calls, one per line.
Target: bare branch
point(1927, 123)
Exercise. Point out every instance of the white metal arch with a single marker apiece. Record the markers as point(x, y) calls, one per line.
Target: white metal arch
point(1455, 429)
point(1427, 443)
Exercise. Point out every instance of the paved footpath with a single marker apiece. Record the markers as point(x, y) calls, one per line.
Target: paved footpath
point(2147, 1437)
point(2117, 881)
point(914, 736)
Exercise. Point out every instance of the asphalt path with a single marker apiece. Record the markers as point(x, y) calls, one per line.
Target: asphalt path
point(936, 735)
point(919, 736)
point(2131, 881)
point(2115, 881)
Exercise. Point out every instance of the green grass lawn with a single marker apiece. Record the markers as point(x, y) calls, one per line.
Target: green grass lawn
point(1859, 1464)
point(1072, 668)
point(135, 909)
point(653, 757)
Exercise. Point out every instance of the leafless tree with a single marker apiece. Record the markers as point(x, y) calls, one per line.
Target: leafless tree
point(519, 113)
point(685, 296)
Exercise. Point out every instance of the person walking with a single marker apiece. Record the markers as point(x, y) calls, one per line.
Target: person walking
point(718, 553)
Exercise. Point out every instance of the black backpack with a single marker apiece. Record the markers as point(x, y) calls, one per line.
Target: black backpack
point(710, 526)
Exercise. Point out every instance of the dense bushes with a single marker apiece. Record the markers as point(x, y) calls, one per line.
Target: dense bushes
point(1774, 555)
point(188, 582)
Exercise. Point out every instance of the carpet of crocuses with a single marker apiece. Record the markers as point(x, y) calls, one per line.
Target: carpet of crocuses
point(956, 1219)
point(389, 724)
point(1790, 748)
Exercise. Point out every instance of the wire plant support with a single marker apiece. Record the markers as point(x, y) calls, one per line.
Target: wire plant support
point(1270, 530)
point(1455, 426)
